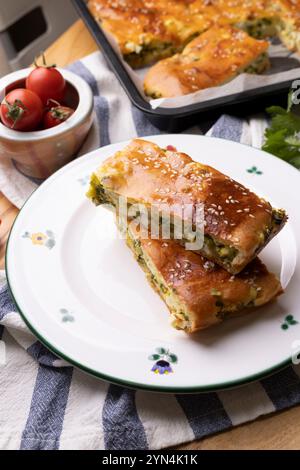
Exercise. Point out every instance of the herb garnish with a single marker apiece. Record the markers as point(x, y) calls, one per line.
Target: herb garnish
point(282, 138)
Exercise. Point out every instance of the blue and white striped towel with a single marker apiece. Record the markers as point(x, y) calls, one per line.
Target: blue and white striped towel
point(46, 404)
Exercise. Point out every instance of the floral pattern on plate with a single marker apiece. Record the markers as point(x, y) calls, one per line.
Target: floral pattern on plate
point(66, 316)
point(46, 239)
point(289, 321)
point(163, 359)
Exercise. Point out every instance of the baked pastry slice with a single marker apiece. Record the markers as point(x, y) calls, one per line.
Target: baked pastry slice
point(197, 292)
point(149, 30)
point(289, 24)
point(213, 58)
point(237, 223)
point(253, 16)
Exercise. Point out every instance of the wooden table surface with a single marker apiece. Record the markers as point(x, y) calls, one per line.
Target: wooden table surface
point(277, 431)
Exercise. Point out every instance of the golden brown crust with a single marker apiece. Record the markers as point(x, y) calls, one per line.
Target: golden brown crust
point(151, 24)
point(144, 173)
point(213, 58)
point(163, 27)
point(149, 30)
point(288, 9)
point(196, 281)
point(289, 25)
point(238, 11)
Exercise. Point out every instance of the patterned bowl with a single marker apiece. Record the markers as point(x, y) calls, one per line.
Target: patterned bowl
point(40, 153)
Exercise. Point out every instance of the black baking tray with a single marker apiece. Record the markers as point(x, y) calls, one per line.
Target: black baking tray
point(177, 119)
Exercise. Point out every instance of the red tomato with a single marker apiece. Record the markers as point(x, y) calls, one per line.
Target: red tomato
point(48, 83)
point(56, 116)
point(21, 110)
point(171, 148)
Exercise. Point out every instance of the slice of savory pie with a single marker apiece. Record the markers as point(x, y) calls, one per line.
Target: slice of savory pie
point(213, 58)
point(197, 292)
point(149, 30)
point(253, 16)
point(237, 223)
point(289, 23)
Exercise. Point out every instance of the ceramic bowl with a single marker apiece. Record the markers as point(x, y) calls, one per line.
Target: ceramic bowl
point(40, 153)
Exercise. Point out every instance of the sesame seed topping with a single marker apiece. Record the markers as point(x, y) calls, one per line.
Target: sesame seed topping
point(209, 265)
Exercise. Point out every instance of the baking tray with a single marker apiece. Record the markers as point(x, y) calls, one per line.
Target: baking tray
point(177, 119)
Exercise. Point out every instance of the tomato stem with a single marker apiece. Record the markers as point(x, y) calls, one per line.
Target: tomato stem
point(50, 102)
point(15, 111)
point(42, 54)
point(60, 114)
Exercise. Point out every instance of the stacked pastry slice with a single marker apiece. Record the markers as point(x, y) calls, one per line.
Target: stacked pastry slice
point(201, 285)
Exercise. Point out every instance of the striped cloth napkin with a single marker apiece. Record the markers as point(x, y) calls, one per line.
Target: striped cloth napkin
point(47, 404)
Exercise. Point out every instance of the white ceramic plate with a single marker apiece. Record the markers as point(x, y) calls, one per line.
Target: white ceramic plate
point(82, 293)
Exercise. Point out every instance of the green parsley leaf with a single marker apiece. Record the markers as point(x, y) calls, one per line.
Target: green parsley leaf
point(282, 138)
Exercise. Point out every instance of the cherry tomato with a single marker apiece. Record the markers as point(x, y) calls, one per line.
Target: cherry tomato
point(21, 110)
point(171, 148)
point(47, 82)
point(56, 116)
